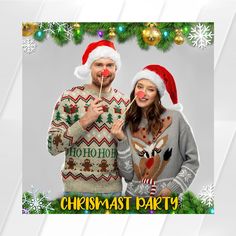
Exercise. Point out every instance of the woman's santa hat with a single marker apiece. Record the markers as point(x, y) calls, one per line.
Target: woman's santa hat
point(93, 52)
point(163, 80)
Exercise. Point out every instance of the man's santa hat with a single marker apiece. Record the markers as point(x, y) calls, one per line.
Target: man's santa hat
point(163, 80)
point(93, 52)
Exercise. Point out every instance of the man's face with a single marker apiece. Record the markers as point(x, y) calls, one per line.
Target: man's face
point(96, 72)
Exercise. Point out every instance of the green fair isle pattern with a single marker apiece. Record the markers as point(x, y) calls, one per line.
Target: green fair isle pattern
point(67, 109)
point(86, 106)
point(58, 116)
point(68, 120)
point(89, 154)
point(76, 117)
point(99, 120)
point(109, 118)
point(117, 109)
point(50, 143)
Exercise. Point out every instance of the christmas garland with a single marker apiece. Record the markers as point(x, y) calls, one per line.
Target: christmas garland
point(37, 203)
point(160, 35)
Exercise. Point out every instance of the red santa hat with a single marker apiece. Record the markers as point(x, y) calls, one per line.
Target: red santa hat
point(94, 51)
point(163, 80)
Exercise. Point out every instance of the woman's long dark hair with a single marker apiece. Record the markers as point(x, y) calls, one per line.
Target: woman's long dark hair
point(153, 114)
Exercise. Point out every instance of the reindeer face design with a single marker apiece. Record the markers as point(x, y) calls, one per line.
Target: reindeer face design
point(151, 164)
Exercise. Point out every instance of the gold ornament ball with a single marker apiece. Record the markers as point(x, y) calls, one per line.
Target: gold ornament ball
point(112, 33)
point(151, 36)
point(29, 28)
point(76, 25)
point(179, 39)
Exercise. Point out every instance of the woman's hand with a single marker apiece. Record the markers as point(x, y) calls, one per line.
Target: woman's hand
point(116, 129)
point(165, 192)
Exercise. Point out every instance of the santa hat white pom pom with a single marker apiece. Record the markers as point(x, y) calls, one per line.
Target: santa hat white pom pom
point(177, 107)
point(82, 72)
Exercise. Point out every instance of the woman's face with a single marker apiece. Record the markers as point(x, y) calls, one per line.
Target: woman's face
point(150, 93)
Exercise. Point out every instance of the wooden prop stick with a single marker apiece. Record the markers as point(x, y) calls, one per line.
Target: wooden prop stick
point(139, 94)
point(105, 73)
point(127, 108)
point(100, 91)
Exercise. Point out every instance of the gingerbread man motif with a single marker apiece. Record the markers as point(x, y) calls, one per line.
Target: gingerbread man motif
point(71, 163)
point(87, 165)
point(57, 139)
point(103, 165)
point(115, 165)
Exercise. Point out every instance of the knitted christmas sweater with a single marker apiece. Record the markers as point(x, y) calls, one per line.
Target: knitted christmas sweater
point(167, 159)
point(90, 154)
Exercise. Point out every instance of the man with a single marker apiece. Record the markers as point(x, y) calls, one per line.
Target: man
point(82, 121)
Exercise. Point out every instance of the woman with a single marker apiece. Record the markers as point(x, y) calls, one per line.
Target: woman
point(158, 142)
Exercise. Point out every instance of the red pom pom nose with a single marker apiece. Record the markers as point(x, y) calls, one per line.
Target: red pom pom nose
point(106, 73)
point(140, 94)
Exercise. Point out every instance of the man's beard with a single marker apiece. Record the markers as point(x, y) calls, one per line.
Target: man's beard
point(105, 84)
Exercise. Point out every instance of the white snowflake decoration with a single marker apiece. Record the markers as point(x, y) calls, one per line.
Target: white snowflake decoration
point(130, 186)
point(143, 189)
point(57, 26)
point(50, 29)
point(29, 46)
point(207, 195)
point(180, 199)
point(128, 165)
point(36, 203)
point(69, 33)
point(200, 36)
point(186, 175)
point(163, 185)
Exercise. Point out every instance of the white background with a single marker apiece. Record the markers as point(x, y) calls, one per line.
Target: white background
point(13, 13)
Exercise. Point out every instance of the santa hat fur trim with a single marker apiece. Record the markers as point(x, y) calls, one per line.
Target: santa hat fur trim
point(95, 51)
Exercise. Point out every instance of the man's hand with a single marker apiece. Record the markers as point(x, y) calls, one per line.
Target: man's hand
point(94, 111)
point(116, 129)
